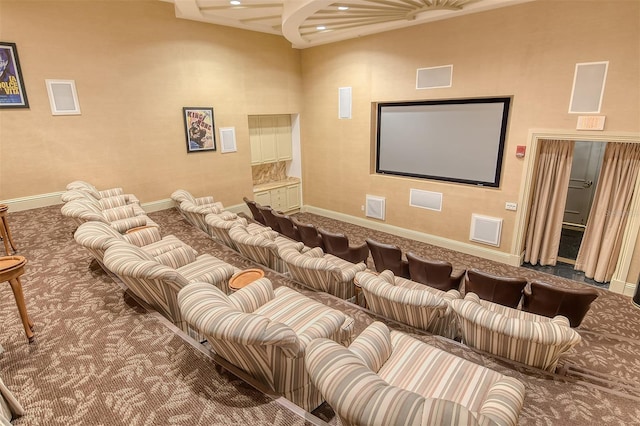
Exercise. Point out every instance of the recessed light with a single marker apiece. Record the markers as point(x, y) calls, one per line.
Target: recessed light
point(343, 7)
point(235, 2)
point(321, 27)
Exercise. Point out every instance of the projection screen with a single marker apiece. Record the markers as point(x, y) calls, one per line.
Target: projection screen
point(457, 140)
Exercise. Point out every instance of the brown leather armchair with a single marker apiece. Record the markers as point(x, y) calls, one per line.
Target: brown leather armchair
point(253, 206)
point(549, 301)
point(338, 245)
point(388, 256)
point(505, 291)
point(287, 228)
point(434, 273)
point(308, 234)
point(269, 218)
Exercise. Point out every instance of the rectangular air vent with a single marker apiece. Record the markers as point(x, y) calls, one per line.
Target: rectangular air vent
point(434, 77)
point(425, 199)
point(375, 207)
point(228, 139)
point(485, 229)
point(588, 87)
point(344, 102)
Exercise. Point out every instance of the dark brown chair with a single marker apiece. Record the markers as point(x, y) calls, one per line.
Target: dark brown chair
point(269, 218)
point(287, 228)
point(549, 301)
point(434, 273)
point(338, 245)
point(502, 290)
point(253, 206)
point(308, 234)
point(388, 256)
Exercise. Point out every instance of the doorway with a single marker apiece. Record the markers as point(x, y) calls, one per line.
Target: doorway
point(585, 168)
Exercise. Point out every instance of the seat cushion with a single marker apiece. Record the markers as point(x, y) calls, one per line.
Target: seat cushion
point(433, 373)
point(207, 268)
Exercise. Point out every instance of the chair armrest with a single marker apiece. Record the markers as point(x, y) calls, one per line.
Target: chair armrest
point(177, 257)
point(110, 192)
point(328, 325)
point(252, 296)
point(373, 346)
point(504, 401)
point(111, 202)
point(123, 225)
point(144, 236)
point(201, 201)
point(349, 273)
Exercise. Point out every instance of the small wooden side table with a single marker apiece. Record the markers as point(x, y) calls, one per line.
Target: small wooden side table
point(11, 267)
point(5, 232)
point(358, 291)
point(243, 278)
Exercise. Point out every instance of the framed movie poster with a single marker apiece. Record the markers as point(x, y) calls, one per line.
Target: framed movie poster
point(199, 129)
point(12, 93)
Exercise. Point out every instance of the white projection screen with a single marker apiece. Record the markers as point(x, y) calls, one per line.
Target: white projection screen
point(452, 140)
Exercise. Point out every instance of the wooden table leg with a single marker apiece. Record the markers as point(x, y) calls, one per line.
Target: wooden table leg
point(5, 237)
point(7, 232)
point(16, 287)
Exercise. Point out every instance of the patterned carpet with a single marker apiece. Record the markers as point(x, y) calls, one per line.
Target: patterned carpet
point(99, 358)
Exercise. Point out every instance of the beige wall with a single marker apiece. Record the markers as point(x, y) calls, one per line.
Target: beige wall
point(135, 66)
point(527, 51)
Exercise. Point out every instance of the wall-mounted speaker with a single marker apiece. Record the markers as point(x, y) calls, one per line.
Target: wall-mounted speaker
point(434, 77)
point(63, 98)
point(375, 207)
point(425, 199)
point(344, 102)
point(485, 229)
point(588, 87)
point(228, 139)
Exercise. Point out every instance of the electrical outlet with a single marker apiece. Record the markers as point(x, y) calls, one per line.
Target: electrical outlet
point(511, 206)
point(362, 207)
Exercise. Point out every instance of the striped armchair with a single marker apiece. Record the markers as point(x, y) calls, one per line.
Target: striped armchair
point(105, 202)
point(409, 302)
point(194, 210)
point(510, 333)
point(389, 378)
point(86, 187)
point(10, 407)
point(158, 279)
point(122, 218)
point(97, 237)
point(321, 271)
point(218, 226)
point(265, 332)
point(262, 247)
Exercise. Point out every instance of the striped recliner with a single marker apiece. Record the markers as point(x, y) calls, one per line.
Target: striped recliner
point(194, 209)
point(219, 224)
point(409, 302)
point(262, 247)
point(265, 332)
point(321, 271)
point(97, 237)
point(122, 218)
point(158, 279)
point(10, 407)
point(510, 333)
point(86, 187)
point(389, 378)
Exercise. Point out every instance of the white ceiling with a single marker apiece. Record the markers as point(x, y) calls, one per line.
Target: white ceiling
point(301, 21)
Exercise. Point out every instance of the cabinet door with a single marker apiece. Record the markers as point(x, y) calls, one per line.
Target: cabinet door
point(262, 198)
point(279, 199)
point(268, 139)
point(283, 137)
point(254, 140)
point(293, 197)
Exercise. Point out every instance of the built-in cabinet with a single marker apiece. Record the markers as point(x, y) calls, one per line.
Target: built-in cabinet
point(284, 198)
point(270, 138)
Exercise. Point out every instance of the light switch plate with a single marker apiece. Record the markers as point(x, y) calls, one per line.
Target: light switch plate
point(511, 206)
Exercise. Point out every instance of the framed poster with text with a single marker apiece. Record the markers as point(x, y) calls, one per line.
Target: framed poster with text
point(199, 129)
point(12, 93)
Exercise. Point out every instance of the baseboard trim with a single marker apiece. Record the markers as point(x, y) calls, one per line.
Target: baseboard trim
point(622, 287)
point(34, 201)
point(156, 206)
point(509, 259)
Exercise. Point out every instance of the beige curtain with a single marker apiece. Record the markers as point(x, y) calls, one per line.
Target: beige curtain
point(551, 183)
point(600, 248)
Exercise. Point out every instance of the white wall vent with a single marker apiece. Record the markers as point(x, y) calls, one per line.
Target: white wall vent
point(434, 77)
point(344, 102)
point(588, 87)
point(375, 207)
point(63, 97)
point(425, 199)
point(485, 229)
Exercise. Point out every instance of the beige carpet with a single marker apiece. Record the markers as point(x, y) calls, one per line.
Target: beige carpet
point(99, 358)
